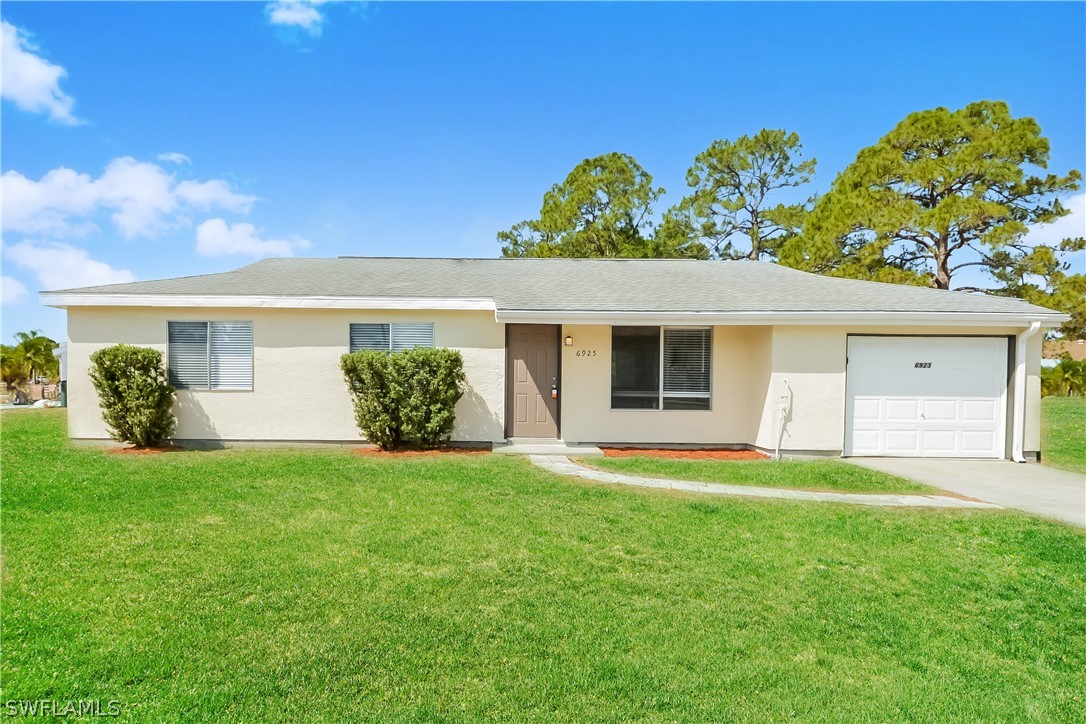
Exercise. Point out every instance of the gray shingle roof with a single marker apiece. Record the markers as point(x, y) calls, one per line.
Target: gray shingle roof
point(592, 285)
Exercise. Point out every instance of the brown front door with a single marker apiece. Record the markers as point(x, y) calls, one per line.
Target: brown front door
point(531, 374)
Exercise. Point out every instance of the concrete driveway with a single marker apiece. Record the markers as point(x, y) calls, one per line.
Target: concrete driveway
point(1026, 486)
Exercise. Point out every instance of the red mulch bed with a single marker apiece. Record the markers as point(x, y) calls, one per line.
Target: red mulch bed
point(141, 450)
point(408, 453)
point(706, 454)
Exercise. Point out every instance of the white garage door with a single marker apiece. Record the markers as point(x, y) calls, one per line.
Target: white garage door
point(926, 396)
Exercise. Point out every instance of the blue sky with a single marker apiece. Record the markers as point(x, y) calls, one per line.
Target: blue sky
point(146, 140)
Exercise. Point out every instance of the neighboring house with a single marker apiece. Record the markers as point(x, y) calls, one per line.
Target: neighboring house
point(633, 352)
point(1055, 349)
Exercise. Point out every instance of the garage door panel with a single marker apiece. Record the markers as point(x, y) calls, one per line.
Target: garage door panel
point(940, 410)
point(926, 396)
point(867, 409)
point(978, 441)
point(939, 441)
point(902, 409)
point(901, 441)
point(867, 442)
point(980, 411)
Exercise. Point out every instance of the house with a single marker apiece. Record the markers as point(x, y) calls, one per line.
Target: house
point(605, 351)
point(1055, 349)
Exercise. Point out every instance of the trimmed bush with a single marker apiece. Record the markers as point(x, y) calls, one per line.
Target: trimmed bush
point(135, 394)
point(405, 398)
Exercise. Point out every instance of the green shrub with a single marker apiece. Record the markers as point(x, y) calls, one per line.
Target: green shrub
point(135, 394)
point(405, 398)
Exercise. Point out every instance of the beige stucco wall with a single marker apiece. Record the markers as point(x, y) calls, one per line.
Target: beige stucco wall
point(298, 390)
point(760, 365)
point(753, 367)
point(299, 394)
point(808, 368)
point(586, 413)
point(812, 360)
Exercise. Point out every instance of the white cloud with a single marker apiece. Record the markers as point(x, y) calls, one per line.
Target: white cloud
point(142, 198)
point(302, 14)
point(214, 194)
point(215, 237)
point(29, 81)
point(60, 266)
point(174, 157)
point(12, 291)
point(1071, 226)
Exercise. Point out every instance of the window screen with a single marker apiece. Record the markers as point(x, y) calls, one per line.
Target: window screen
point(654, 368)
point(394, 337)
point(635, 368)
point(211, 355)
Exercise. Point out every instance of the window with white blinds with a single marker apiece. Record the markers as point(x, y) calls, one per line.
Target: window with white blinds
point(687, 358)
point(391, 337)
point(369, 336)
point(211, 355)
point(231, 352)
point(654, 368)
point(187, 362)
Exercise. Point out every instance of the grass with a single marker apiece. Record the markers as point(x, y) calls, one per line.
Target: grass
point(1063, 433)
point(819, 475)
point(248, 585)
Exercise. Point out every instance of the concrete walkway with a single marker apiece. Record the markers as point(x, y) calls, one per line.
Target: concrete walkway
point(1030, 487)
point(564, 466)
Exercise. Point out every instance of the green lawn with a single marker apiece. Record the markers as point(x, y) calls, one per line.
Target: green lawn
point(1063, 432)
point(803, 475)
point(326, 585)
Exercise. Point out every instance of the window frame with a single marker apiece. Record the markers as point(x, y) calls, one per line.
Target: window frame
point(208, 322)
point(391, 336)
point(660, 390)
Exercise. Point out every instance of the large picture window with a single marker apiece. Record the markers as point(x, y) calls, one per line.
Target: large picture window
point(654, 368)
point(391, 337)
point(211, 355)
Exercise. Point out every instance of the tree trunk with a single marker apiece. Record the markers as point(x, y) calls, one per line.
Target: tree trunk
point(755, 237)
point(941, 279)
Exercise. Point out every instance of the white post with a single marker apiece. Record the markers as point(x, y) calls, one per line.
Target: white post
point(1018, 434)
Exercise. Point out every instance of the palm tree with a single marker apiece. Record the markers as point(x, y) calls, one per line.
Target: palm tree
point(14, 367)
point(1068, 378)
point(38, 351)
point(1073, 377)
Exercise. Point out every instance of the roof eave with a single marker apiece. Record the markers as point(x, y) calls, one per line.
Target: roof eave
point(66, 299)
point(985, 319)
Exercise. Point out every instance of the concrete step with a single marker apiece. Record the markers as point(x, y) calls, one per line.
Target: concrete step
point(532, 446)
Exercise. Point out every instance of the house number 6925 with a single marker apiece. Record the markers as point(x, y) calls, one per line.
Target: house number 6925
point(586, 353)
